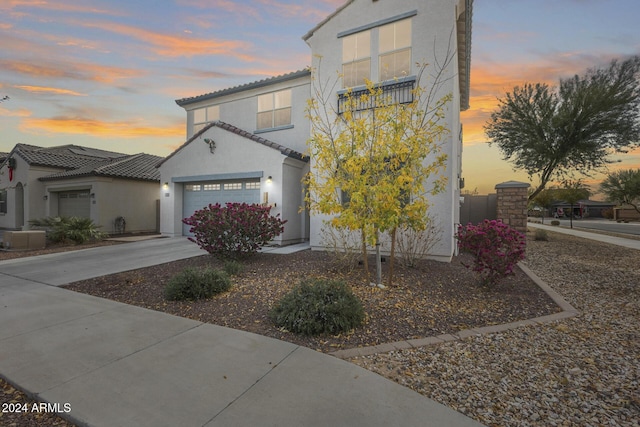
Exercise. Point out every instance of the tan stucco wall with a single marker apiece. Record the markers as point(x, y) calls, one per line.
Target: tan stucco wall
point(134, 200)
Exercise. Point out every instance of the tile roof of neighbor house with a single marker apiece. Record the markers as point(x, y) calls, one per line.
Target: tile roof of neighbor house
point(243, 133)
point(253, 85)
point(75, 160)
point(63, 157)
point(137, 166)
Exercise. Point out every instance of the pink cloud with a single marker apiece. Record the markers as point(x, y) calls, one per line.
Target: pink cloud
point(172, 46)
point(77, 125)
point(50, 90)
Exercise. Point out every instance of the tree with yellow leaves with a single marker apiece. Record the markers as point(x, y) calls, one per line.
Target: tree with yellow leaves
point(377, 161)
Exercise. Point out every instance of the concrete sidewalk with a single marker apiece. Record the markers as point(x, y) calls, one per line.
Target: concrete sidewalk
point(619, 241)
point(117, 365)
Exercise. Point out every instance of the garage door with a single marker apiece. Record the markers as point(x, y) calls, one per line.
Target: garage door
point(197, 195)
point(74, 203)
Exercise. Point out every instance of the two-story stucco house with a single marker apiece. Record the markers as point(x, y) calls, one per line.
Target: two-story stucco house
point(248, 143)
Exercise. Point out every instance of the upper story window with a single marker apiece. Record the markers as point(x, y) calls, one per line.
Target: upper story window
point(274, 109)
point(204, 116)
point(356, 59)
point(395, 50)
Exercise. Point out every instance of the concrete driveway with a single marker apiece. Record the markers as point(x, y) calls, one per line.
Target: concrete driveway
point(112, 364)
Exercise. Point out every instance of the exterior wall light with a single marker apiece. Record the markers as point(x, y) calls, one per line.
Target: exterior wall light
point(211, 143)
point(269, 179)
point(165, 186)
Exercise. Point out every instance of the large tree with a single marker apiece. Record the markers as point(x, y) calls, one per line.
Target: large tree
point(623, 187)
point(555, 132)
point(375, 167)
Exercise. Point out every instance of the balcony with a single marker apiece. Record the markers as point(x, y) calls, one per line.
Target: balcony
point(394, 92)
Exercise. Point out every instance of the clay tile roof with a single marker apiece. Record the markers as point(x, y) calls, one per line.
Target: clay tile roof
point(247, 86)
point(63, 157)
point(75, 160)
point(138, 166)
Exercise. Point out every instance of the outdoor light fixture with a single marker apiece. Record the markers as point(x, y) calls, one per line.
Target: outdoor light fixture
point(92, 195)
point(165, 186)
point(269, 179)
point(45, 197)
point(211, 143)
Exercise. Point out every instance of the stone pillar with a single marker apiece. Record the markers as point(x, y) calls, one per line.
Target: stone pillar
point(512, 204)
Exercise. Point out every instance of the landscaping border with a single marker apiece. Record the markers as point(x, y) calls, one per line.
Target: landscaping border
point(567, 312)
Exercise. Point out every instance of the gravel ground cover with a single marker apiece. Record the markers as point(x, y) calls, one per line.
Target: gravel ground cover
point(583, 371)
point(433, 299)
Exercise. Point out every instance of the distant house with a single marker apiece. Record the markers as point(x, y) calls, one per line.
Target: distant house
point(71, 180)
point(581, 209)
point(248, 143)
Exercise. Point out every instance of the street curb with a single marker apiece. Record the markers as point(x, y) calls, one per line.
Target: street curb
point(567, 312)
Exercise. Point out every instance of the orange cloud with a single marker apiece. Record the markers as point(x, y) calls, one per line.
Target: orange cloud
point(17, 113)
point(97, 128)
point(76, 71)
point(57, 6)
point(53, 90)
point(172, 46)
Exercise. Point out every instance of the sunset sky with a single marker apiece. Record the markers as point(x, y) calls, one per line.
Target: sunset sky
point(105, 74)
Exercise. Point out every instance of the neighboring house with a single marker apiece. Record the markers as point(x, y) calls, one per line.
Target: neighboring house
point(70, 180)
point(246, 143)
point(581, 209)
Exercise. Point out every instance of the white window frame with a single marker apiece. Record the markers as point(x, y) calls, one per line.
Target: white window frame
point(398, 47)
point(272, 107)
point(209, 114)
point(356, 59)
point(233, 186)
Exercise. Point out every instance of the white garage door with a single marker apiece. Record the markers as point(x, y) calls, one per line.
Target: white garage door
point(74, 203)
point(197, 195)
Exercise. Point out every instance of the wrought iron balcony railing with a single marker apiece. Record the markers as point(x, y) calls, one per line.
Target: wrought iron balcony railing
point(396, 92)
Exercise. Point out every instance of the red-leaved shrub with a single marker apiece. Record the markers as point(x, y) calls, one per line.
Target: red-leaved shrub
point(235, 230)
point(496, 248)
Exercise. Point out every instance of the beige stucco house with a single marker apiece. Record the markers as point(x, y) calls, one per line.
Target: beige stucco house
point(71, 180)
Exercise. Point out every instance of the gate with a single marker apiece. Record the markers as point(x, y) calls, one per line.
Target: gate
point(476, 209)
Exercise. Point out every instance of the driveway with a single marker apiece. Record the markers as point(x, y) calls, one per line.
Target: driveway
point(113, 364)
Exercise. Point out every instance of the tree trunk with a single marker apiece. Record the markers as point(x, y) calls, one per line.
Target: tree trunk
point(365, 260)
point(392, 255)
point(571, 216)
point(378, 260)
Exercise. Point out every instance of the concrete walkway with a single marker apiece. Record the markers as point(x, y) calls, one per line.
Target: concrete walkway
point(121, 365)
point(620, 241)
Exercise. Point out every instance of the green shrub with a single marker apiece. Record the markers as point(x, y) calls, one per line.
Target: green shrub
point(541, 235)
point(194, 284)
point(75, 229)
point(232, 268)
point(555, 222)
point(318, 306)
